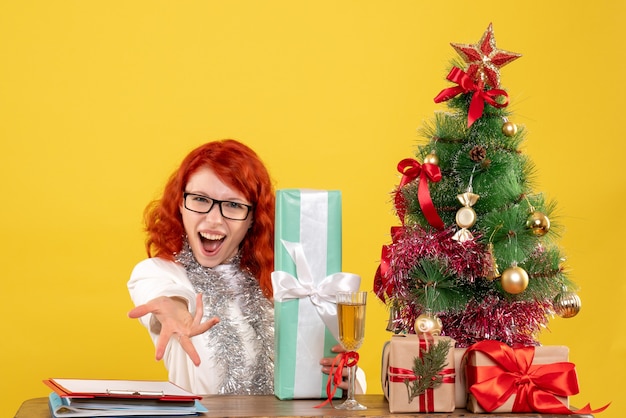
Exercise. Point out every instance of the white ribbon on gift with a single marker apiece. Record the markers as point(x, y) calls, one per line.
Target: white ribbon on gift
point(322, 296)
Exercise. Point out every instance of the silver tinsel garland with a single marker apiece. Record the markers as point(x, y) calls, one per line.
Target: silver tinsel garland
point(222, 286)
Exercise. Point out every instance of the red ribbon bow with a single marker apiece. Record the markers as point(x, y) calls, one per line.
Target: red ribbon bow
point(335, 376)
point(410, 170)
point(465, 84)
point(383, 285)
point(535, 386)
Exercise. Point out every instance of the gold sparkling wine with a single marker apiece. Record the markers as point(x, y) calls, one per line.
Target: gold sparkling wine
point(351, 325)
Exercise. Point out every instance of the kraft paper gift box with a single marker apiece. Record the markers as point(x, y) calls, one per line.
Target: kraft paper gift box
point(460, 389)
point(497, 374)
point(397, 365)
point(306, 279)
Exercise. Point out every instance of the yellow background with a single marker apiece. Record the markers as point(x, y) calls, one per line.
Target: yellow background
point(100, 100)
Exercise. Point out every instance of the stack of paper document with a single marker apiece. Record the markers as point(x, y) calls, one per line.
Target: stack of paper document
point(120, 398)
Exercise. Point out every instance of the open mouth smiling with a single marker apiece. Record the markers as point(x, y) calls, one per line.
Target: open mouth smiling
point(211, 242)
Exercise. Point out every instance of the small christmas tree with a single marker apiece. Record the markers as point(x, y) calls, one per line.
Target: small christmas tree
point(475, 256)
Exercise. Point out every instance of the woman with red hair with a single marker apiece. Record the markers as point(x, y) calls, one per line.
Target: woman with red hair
point(205, 292)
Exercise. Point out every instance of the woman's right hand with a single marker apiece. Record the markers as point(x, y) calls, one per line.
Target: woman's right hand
point(176, 321)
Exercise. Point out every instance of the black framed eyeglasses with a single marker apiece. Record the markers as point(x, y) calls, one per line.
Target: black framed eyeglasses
point(203, 204)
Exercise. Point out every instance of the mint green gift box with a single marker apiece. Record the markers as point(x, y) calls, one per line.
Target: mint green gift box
point(306, 277)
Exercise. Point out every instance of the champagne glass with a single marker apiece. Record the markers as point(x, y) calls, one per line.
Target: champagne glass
point(351, 317)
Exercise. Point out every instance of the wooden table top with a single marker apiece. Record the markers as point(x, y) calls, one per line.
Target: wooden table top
point(270, 406)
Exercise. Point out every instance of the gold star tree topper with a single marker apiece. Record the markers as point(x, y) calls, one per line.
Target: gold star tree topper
point(484, 59)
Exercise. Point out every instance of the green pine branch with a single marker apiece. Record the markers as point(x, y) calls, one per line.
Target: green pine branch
point(434, 287)
point(427, 368)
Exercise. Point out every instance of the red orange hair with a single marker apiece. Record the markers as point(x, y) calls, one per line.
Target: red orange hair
point(238, 166)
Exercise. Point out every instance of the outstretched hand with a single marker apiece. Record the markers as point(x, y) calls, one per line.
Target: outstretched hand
point(176, 322)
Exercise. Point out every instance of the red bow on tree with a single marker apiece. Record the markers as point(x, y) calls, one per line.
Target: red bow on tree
point(410, 170)
point(465, 84)
point(383, 283)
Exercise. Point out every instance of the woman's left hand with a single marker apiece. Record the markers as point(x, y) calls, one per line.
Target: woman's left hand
point(175, 320)
point(327, 362)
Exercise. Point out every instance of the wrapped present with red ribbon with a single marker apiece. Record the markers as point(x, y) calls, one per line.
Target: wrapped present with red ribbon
point(460, 389)
point(428, 388)
point(500, 378)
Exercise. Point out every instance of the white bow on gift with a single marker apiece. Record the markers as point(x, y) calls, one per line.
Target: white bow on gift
point(323, 296)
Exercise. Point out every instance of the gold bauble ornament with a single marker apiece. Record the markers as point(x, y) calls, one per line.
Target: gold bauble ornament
point(514, 280)
point(431, 159)
point(466, 217)
point(567, 304)
point(509, 129)
point(538, 223)
point(427, 323)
